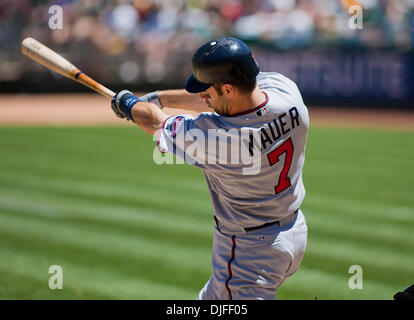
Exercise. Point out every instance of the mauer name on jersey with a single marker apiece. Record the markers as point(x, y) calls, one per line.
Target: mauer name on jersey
point(275, 129)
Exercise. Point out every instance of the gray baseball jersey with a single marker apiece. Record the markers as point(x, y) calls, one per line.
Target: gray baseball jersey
point(272, 135)
point(252, 163)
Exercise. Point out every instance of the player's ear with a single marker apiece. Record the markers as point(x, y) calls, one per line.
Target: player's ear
point(229, 90)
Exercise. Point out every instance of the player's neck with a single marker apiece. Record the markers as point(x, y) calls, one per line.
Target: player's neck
point(245, 103)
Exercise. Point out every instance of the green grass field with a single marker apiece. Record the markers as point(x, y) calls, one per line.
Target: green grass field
point(92, 201)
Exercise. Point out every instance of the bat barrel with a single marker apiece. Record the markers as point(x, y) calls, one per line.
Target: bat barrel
point(50, 59)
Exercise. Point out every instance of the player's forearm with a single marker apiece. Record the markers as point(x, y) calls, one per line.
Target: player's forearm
point(181, 99)
point(148, 116)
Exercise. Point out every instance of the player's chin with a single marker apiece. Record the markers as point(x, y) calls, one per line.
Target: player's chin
point(209, 104)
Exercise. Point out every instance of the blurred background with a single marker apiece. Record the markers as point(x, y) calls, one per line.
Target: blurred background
point(143, 44)
point(79, 187)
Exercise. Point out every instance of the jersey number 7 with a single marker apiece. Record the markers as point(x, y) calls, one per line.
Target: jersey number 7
point(273, 157)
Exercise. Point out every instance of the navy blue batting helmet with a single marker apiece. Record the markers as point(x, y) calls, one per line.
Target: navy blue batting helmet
point(221, 60)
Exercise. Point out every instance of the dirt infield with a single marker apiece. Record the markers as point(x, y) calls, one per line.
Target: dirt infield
point(92, 109)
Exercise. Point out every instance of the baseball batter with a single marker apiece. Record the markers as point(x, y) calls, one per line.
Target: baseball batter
point(260, 232)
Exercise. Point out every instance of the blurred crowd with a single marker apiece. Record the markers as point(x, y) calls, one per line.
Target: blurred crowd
point(156, 38)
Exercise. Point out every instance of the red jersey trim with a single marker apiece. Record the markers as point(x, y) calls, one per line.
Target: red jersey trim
point(229, 267)
point(254, 109)
point(159, 134)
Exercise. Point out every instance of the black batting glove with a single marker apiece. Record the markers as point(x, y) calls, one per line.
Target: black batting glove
point(122, 104)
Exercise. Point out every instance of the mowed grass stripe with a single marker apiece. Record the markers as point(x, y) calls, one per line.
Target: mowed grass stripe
point(80, 281)
point(113, 250)
point(314, 283)
point(57, 208)
point(366, 207)
point(387, 156)
point(144, 226)
point(323, 252)
point(364, 235)
point(123, 176)
point(382, 159)
point(110, 265)
point(371, 141)
point(35, 285)
point(360, 214)
point(64, 136)
point(359, 208)
point(357, 152)
point(358, 170)
point(352, 177)
point(117, 169)
point(111, 158)
point(86, 235)
point(391, 221)
point(348, 185)
point(110, 195)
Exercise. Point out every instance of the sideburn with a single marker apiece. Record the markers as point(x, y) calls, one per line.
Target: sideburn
point(217, 87)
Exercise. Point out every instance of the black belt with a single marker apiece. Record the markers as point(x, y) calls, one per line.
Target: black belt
point(262, 226)
point(248, 229)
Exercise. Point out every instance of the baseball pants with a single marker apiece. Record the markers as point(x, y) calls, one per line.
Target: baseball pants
point(254, 265)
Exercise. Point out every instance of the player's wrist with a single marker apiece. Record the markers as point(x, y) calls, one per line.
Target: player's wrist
point(122, 104)
point(153, 98)
point(127, 101)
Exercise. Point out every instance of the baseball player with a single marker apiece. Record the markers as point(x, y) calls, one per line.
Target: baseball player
point(260, 232)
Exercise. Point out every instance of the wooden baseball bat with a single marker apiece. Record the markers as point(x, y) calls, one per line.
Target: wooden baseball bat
point(50, 59)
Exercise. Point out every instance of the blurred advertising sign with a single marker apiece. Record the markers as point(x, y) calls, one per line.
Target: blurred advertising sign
point(345, 75)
